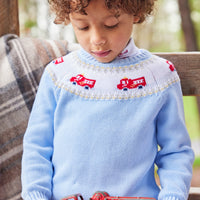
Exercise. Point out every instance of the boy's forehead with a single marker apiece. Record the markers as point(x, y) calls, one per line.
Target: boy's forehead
point(81, 17)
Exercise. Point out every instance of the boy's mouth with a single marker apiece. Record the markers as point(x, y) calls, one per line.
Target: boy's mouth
point(101, 53)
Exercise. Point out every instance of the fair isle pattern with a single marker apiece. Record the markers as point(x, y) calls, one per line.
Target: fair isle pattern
point(156, 72)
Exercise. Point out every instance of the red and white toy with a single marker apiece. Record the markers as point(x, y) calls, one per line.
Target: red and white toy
point(105, 196)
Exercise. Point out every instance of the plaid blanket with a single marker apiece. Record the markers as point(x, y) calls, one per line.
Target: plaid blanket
point(22, 61)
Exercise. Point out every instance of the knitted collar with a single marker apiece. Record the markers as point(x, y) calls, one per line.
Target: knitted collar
point(129, 56)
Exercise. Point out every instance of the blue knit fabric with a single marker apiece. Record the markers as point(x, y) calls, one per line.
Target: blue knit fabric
point(89, 132)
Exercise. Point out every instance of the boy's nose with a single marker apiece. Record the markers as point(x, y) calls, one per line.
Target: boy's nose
point(97, 37)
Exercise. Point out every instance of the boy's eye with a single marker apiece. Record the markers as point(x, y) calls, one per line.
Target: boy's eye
point(83, 28)
point(107, 26)
point(113, 26)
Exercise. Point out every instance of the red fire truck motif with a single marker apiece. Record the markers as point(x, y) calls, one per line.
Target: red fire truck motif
point(82, 81)
point(126, 83)
point(171, 66)
point(58, 60)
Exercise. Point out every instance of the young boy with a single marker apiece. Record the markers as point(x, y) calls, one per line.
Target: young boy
point(102, 111)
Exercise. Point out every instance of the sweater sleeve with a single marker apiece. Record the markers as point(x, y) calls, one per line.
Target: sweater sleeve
point(175, 158)
point(37, 168)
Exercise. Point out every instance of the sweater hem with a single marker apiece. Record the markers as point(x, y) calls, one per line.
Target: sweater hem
point(172, 197)
point(35, 195)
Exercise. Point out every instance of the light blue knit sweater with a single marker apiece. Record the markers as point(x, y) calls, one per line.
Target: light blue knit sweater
point(98, 126)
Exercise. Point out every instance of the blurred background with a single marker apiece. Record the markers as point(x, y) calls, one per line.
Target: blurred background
point(174, 27)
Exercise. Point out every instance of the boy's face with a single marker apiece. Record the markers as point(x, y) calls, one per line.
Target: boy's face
point(100, 33)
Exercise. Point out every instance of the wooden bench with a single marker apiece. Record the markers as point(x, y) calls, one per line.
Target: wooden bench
point(187, 63)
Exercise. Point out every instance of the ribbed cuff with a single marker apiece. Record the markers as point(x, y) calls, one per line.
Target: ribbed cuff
point(35, 195)
point(170, 198)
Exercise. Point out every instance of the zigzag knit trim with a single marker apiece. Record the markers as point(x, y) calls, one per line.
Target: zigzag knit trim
point(144, 78)
point(114, 96)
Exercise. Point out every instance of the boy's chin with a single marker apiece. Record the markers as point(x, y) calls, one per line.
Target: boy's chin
point(104, 60)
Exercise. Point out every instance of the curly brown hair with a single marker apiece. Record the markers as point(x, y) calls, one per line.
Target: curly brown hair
point(62, 8)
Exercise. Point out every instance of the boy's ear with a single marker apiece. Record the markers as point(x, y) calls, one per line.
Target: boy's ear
point(136, 19)
point(67, 21)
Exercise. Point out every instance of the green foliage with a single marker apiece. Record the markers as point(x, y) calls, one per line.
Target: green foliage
point(30, 24)
point(196, 162)
point(192, 117)
point(192, 121)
